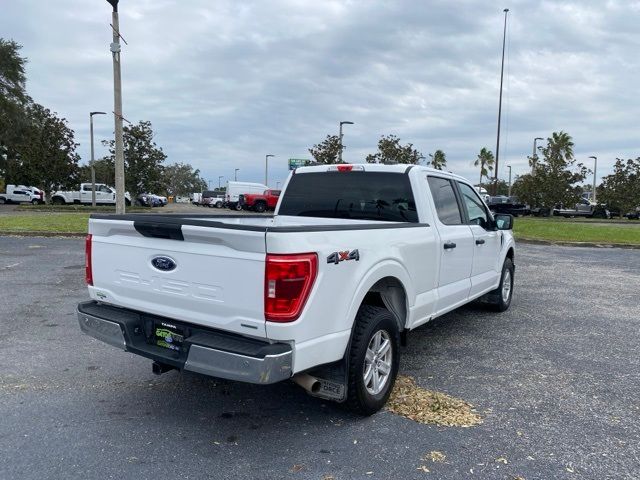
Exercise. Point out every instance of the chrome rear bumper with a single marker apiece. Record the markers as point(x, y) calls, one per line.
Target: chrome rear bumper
point(209, 352)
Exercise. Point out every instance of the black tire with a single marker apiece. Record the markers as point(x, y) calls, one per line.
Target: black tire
point(496, 298)
point(369, 321)
point(58, 201)
point(238, 207)
point(218, 204)
point(260, 207)
point(2, 201)
point(34, 201)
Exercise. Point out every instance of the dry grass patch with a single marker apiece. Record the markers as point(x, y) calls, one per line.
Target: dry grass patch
point(426, 406)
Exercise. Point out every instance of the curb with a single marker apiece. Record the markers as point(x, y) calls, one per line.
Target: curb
point(560, 243)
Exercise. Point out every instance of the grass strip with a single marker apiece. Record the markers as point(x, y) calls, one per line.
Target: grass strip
point(55, 223)
point(552, 229)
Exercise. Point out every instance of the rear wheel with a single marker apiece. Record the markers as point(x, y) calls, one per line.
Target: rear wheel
point(218, 204)
point(34, 201)
point(260, 207)
point(238, 207)
point(58, 201)
point(2, 201)
point(374, 357)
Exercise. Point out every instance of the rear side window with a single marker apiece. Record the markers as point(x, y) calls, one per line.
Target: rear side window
point(356, 195)
point(445, 201)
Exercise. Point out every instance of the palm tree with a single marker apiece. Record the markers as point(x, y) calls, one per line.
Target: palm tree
point(485, 160)
point(559, 146)
point(438, 160)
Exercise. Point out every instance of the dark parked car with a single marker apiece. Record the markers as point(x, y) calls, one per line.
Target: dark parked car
point(510, 205)
point(148, 200)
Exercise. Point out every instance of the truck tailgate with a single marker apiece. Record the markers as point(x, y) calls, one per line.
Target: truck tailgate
point(214, 276)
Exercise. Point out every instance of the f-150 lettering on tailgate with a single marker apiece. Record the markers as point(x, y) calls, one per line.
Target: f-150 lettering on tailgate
point(173, 286)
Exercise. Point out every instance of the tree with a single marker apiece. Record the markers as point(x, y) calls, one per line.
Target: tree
point(46, 152)
point(142, 159)
point(438, 160)
point(182, 179)
point(621, 189)
point(556, 177)
point(13, 101)
point(328, 151)
point(485, 160)
point(105, 171)
point(390, 151)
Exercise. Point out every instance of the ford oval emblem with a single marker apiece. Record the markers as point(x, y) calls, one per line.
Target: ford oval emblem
point(165, 264)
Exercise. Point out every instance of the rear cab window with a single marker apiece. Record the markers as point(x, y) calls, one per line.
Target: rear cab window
point(380, 196)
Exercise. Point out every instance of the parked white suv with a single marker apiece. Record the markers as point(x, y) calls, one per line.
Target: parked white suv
point(355, 257)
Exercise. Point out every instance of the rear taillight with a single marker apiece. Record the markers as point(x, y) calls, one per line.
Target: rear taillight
point(88, 269)
point(288, 281)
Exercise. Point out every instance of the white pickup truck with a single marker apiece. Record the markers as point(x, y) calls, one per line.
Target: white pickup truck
point(105, 195)
point(22, 194)
point(322, 293)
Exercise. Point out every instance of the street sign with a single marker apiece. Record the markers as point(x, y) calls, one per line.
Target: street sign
point(298, 162)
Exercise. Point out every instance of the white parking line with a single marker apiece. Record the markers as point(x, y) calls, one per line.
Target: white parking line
point(11, 266)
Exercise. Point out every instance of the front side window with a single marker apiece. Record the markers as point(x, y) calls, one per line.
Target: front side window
point(474, 206)
point(445, 201)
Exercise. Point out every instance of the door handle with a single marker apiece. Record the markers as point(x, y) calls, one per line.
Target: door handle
point(480, 242)
point(449, 245)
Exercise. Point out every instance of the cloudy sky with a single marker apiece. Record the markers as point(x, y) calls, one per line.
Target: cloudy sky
point(226, 82)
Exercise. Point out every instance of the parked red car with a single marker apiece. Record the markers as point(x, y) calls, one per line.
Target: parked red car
point(260, 203)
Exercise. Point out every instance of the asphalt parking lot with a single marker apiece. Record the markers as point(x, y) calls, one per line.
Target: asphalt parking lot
point(557, 379)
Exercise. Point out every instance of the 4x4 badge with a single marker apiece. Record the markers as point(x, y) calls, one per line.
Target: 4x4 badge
point(337, 257)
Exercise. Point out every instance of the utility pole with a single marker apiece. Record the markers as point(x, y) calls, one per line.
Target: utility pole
point(509, 167)
point(504, 37)
point(595, 168)
point(235, 174)
point(220, 178)
point(93, 170)
point(117, 108)
point(266, 169)
point(341, 147)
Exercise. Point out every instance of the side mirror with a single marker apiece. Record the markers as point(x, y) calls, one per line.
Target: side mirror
point(503, 221)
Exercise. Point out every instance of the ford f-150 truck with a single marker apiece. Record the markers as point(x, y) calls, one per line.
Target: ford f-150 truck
point(260, 202)
point(322, 292)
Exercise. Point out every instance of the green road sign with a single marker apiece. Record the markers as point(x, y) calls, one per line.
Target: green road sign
point(298, 162)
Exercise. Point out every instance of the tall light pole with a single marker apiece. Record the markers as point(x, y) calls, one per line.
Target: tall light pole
point(93, 170)
point(341, 147)
point(504, 37)
point(266, 169)
point(534, 155)
point(595, 168)
point(509, 167)
point(235, 174)
point(117, 107)
point(220, 178)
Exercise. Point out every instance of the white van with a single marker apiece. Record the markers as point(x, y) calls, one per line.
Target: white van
point(234, 189)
